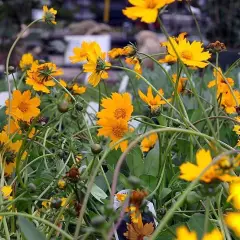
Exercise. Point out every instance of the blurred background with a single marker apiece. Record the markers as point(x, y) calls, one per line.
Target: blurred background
point(79, 19)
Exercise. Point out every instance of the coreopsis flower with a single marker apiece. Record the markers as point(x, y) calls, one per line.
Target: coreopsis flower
point(228, 101)
point(54, 202)
point(236, 129)
point(23, 107)
point(146, 10)
point(6, 191)
point(49, 15)
point(222, 86)
point(15, 128)
point(115, 129)
point(181, 82)
point(78, 90)
point(234, 194)
point(153, 102)
point(40, 76)
point(81, 53)
point(136, 63)
point(191, 54)
point(149, 142)
point(190, 171)
point(96, 65)
point(232, 219)
point(183, 233)
point(61, 184)
point(26, 61)
point(136, 231)
point(129, 50)
point(62, 83)
point(119, 106)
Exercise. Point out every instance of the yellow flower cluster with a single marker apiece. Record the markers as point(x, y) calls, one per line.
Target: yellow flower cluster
point(191, 54)
point(114, 117)
point(96, 61)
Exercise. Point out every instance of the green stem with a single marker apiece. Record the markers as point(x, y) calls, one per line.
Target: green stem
point(38, 219)
point(206, 215)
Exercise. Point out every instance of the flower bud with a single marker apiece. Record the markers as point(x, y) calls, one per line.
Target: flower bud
point(32, 187)
point(63, 106)
point(96, 148)
point(61, 184)
point(11, 69)
point(79, 106)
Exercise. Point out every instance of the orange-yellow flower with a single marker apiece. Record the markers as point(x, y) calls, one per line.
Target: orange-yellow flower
point(62, 83)
point(228, 101)
point(119, 106)
point(26, 61)
point(234, 194)
point(137, 66)
point(183, 233)
point(81, 53)
point(149, 142)
point(153, 102)
point(115, 129)
point(40, 76)
point(96, 65)
point(78, 90)
point(23, 107)
point(191, 54)
point(49, 15)
point(222, 86)
point(146, 10)
point(6, 191)
point(181, 82)
point(232, 220)
point(190, 171)
point(128, 50)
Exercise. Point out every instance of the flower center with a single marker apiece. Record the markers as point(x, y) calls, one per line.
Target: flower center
point(120, 113)
point(118, 131)
point(23, 107)
point(151, 4)
point(187, 54)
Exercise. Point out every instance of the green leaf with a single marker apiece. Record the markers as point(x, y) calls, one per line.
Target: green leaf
point(167, 234)
point(151, 163)
point(29, 230)
point(165, 192)
point(135, 162)
point(150, 182)
point(98, 193)
point(196, 223)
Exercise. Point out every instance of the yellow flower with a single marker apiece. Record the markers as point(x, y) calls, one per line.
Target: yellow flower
point(115, 52)
point(183, 233)
point(214, 235)
point(96, 65)
point(237, 129)
point(78, 90)
point(149, 142)
point(81, 53)
point(61, 184)
point(191, 54)
point(26, 61)
point(153, 102)
point(23, 107)
point(9, 168)
point(40, 76)
point(49, 15)
point(63, 83)
point(228, 101)
point(146, 10)
point(190, 171)
point(222, 86)
point(234, 194)
point(181, 82)
point(128, 50)
point(119, 106)
point(233, 222)
point(137, 66)
point(121, 197)
point(115, 129)
point(6, 191)
point(14, 127)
